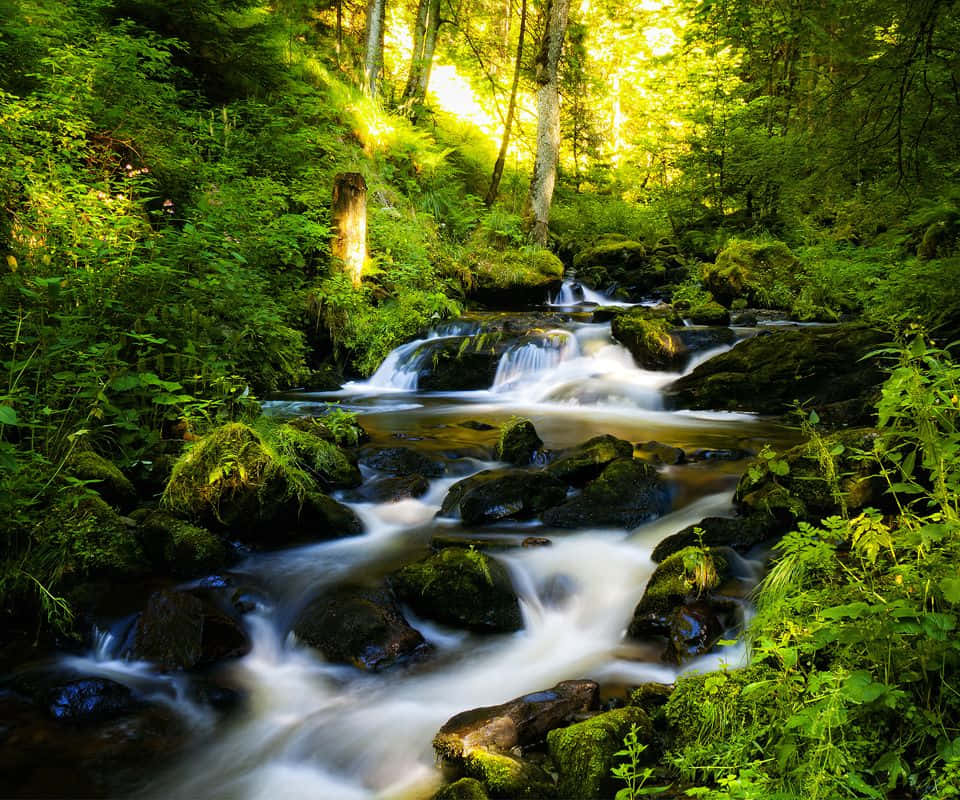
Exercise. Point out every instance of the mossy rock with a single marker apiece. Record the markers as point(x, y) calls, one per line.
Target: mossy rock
point(768, 374)
point(709, 313)
point(626, 494)
point(652, 342)
point(612, 252)
point(463, 789)
point(687, 573)
point(585, 753)
point(326, 462)
point(586, 461)
point(519, 443)
point(186, 550)
point(513, 278)
point(462, 588)
point(764, 273)
point(504, 776)
point(624, 263)
point(111, 484)
point(493, 495)
point(738, 533)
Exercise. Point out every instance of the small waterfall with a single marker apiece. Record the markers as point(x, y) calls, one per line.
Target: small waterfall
point(527, 359)
point(573, 293)
point(401, 369)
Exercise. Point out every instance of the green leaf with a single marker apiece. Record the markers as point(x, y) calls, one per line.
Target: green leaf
point(860, 687)
point(849, 611)
point(8, 416)
point(951, 589)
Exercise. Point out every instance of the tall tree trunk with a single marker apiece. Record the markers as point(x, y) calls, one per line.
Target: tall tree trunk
point(349, 214)
point(416, 58)
point(376, 19)
point(429, 47)
point(548, 122)
point(511, 109)
point(339, 30)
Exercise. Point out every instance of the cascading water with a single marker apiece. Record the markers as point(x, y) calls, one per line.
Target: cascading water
point(312, 729)
point(573, 293)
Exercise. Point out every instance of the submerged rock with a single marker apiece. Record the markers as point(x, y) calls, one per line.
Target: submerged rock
point(179, 631)
point(519, 443)
point(89, 700)
point(626, 494)
point(660, 453)
point(403, 461)
point(392, 490)
point(586, 461)
point(460, 587)
point(498, 494)
point(359, 626)
point(585, 752)
point(769, 373)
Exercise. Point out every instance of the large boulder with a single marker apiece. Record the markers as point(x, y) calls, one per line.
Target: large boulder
point(738, 533)
point(178, 630)
point(359, 626)
point(460, 587)
point(186, 550)
point(763, 273)
point(458, 363)
point(586, 461)
point(625, 264)
point(626, 494)
point(769, 373)
point(709, 313)
point(584, 753)
point(652, 342)
point(513, 278)
point(684, 576)
point(498, 494)
point(519, 443)
point(483, 742)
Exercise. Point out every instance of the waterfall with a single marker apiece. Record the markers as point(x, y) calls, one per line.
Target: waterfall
point(527, 359)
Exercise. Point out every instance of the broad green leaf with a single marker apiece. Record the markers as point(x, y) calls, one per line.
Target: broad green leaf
point(951, 589)
point(862, 688)
point(8, 416)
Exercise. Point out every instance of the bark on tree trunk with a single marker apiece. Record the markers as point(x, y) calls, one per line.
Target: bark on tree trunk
point(339, 30)
point(511, 109)
point(429, 47)
point(349, 214)
point(376, 18)
point(548, 122)
point(416, 58)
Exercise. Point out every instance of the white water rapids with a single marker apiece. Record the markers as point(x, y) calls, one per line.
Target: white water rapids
point(315, 730)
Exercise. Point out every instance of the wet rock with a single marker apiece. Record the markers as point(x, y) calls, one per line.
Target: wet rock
point(660, 453)
point(694, 628)
point(519, 443)
point(536, 541)
point(709, 313)
point(498, 494)
point(180, 631)
point(651, 696)
point(459, 365)
point(475, 425)
point(111, 484)
point(653, 343)
point(463, 789)
point(739, 533)
point(622, 262)
point(626, 494)
point(91, 700)
point(392, 490)
point(799, 488)
point(769, 373)
point(359, 626)
point(586, 461)
point(402, 461)
point(699, 340)
point(312, 443)
point(704, 454)
point(585, 752)
point(482, 742)
point(341, 429)
point(508, 278)
point(685, 575)
point(462, 588)
point(186, 550)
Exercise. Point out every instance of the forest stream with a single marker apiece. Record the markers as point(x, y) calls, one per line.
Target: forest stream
point(309, 728)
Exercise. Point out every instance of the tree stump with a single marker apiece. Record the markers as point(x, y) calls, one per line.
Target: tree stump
point(349, 214)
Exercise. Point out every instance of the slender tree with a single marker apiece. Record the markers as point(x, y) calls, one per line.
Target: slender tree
point(548, 121)
point(511, 110)
point(373, 64)
point(416, 57)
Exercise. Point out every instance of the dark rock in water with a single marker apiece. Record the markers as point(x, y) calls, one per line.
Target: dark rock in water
point(623, 262)
point(179, 631)
point(739, 533)
point(626, 494)
point(585, 752)
point(697, 340)
point(459, 364)
point(462, 588)
point(653, 343)
point(359, 626)
point(586, 461)
point(91, 700)
point(519, 443)
point(663, 453)
point(694, 630)
point(463, 789)
point(475, 425)
point(799, 489)
point(718, 455)
point(392, 490)
point(498, 494)
point(111, 484)
point(536, 541)
point(768, 373)
point(402, 461)
point(481, 742)
point(185, 549)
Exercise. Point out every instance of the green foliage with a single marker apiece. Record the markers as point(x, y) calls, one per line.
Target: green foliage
point(630, 771)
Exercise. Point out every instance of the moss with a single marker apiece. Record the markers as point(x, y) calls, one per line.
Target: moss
point(463, 789)
point(692, 570)
point(765, 273)
point(111, 483)
point(651, 341)
point(586, 461)
point(709, 313)
point(610, 252)
point(505, 269)
point(322, 458)
point(505, 776)
point(584, 753)
point(184, 548)
point(518, 442)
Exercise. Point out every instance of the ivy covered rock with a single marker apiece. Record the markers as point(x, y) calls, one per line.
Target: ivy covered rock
point(110, 483)
point(652, 342)
point(185, 549)
point(769, 373)
point(498, 494)
point(359, 626)
point(585, 752)
point(586, 461)
point(519, 443)
point(626, 494)
point(460, 587)
point(765, 274)
point(513, 278)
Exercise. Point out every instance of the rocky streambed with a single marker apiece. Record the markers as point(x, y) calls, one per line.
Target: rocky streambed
point(542, 525)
